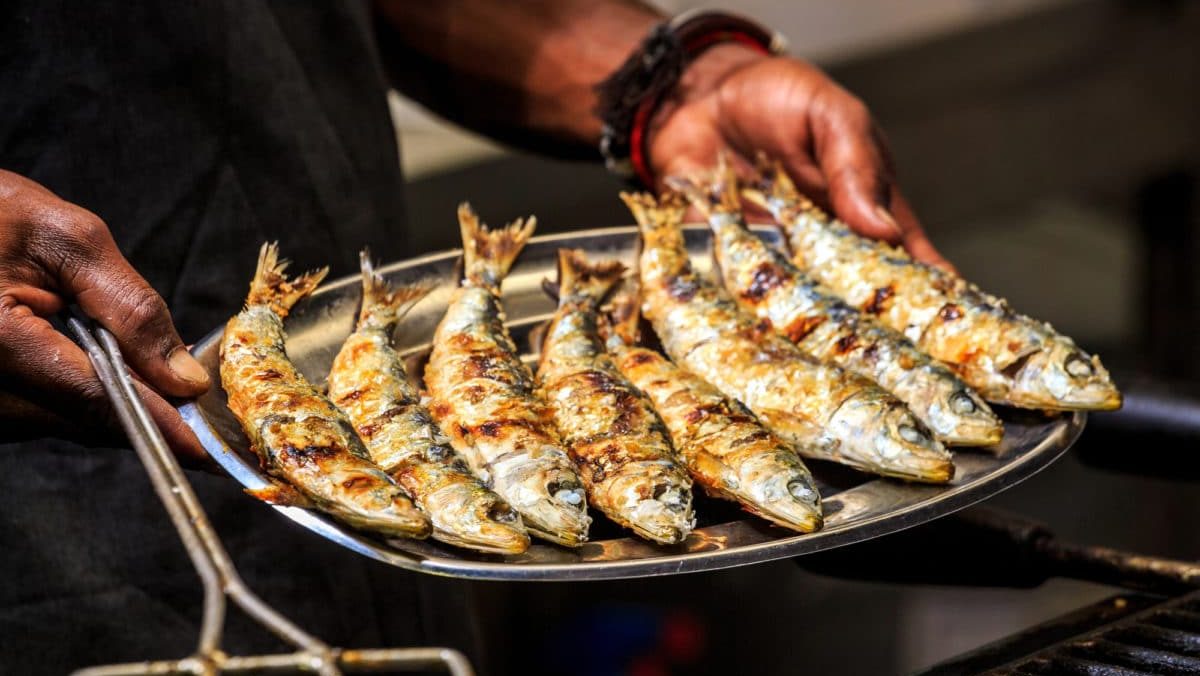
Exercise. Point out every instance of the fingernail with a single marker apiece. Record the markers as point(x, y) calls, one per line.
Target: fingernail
point(185, 366)
point(886, 216)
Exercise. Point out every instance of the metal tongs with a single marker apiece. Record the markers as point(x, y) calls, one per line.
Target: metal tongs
point(213, 564)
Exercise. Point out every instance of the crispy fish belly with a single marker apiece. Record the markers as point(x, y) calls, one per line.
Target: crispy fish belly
point(1007, 357)
point(611, 431)
point(483, 396)
point(823, 411)
point(765, 283)
point(298, 434)
point(368, 382)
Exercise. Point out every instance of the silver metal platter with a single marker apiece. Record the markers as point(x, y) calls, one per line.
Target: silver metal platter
point(857, 506)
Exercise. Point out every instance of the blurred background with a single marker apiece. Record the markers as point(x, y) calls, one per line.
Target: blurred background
point(1051, 148)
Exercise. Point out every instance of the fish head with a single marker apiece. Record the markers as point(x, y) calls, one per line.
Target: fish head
point(471, 516)
point(960, 417)
point(882, 434)
point(781, 489)
point(553, 505)
point(654, 499)
point(1062, 376)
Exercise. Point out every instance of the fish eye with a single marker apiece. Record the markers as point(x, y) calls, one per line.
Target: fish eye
point(911, 434)
point(962, 403)
point(569, 492)
point(800, 490)
point(1078, 365)
point(502, 513)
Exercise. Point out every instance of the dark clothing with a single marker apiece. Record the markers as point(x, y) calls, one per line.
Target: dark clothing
point(196, 130)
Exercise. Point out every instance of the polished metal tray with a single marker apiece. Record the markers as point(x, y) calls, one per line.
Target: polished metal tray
point(857, 506)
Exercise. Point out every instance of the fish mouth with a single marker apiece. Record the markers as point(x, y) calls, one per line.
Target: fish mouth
point(490, 538)
point(399, 523)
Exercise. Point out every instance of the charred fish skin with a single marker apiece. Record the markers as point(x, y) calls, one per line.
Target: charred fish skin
point(766, 284)
point(823, 411)
point(611, 431)
point(728, 452)
point(297, 433)
point(369, 383)
point(484, 398)
point(1005, 356)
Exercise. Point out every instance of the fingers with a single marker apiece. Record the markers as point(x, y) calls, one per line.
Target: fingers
point(52, 374)
point(854, 165)
point(915, 241)
point(109, 290)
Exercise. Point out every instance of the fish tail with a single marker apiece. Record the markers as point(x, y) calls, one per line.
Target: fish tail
point(579, 278)
point(488, 255)
point(654, 215)
point(622, 316)
point(382, 304)
point(716, 195)
point(272, 288)
point(771, 184)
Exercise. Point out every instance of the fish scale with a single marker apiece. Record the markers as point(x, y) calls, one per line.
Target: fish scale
point(1005, 356)
point(823, 411)
point(766, 284)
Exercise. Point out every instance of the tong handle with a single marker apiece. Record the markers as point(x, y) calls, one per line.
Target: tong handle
point(212, 562)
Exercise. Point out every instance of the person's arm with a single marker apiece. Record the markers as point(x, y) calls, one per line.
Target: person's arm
point(526, 72)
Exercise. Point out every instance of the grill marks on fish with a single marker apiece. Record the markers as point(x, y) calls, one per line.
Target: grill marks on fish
point(298, 434)
point(369, 381)
point(612, 433)
point(723, 447)
point(768, 285)
point(823, 411)
point(946, 316)
point(483, 396)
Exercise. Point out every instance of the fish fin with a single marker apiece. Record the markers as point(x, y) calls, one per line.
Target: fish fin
point(272, 288)
point(715, 194)
point(382, 304)
point(581, 279)
point(622, 315)
point(281, 495)
point(488, 255)
point(653, 214)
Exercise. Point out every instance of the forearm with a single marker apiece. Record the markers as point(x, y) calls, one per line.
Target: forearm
point(524, 72)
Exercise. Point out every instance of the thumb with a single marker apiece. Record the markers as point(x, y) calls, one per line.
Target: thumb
point(110, 291)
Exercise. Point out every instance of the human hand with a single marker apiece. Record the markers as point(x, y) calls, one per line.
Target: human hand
point(735, 100)
point(53, 253)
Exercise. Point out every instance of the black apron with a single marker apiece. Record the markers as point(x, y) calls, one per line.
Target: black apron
point(196, 130)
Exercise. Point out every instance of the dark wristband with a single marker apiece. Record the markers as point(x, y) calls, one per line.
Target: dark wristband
point(628, 97)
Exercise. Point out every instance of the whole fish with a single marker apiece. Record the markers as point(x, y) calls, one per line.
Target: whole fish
point(726, 450)
point(611, 431)
point(1007, 357)
point(483, 396)
point(823, 411)
point(369, 383)
point(298, 434)
point(765, 283)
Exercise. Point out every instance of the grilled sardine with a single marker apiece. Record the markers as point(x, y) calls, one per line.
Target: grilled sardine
point(368, 382)
point(1007, 357)
point(298, 434)
point(823, 411)
point(765, 283)
point(483, 396)
point(611, 431)
point(726, 450)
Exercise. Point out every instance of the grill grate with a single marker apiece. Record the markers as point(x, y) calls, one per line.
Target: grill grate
point(1163, 639)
